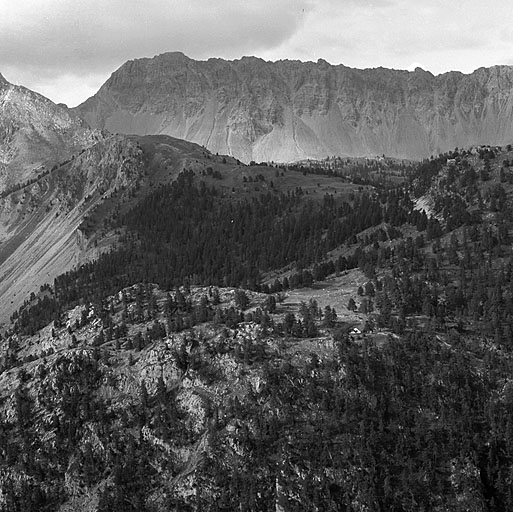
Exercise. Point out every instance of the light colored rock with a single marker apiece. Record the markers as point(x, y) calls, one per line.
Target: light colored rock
point(35, 134)
point(289, 110)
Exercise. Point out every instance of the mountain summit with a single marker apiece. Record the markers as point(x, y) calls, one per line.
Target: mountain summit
point(35, 134)
point(291, 110)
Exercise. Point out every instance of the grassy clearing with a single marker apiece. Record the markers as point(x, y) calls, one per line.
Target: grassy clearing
point(334, 292)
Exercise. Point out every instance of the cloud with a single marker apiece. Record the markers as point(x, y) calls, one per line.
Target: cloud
point(58, 38)
point(58, 34)
point(68, 48)
point(460, 35)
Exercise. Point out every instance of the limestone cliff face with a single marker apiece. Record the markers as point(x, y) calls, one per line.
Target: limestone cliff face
point(35, 134)
point(290, 110)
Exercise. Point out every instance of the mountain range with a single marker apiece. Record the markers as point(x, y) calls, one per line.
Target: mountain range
point(57, 165)
point(180, 330)
point(289, 110)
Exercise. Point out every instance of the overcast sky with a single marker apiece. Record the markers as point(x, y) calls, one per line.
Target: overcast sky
point(65, 49)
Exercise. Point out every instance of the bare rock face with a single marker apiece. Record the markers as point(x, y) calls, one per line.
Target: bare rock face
point(290, 110)
point(35, 134)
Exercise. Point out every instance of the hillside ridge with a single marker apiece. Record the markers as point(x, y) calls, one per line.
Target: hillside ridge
point(36, 134)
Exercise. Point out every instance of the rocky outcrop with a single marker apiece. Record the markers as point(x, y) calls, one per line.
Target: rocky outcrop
point(35, 134)
point(290, 110)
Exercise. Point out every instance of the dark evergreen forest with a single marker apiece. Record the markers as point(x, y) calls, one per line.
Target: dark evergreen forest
point(414, 414)
point(186, 233)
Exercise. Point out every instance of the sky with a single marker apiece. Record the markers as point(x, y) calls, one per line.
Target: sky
point(66, 49)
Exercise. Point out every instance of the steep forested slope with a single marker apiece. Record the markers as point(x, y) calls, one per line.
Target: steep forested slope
point(60, 219)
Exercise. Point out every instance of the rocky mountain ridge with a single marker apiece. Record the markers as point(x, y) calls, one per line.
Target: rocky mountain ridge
point(39, 223)
point(289, 110)
point(36, 134)
point(56, 222)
